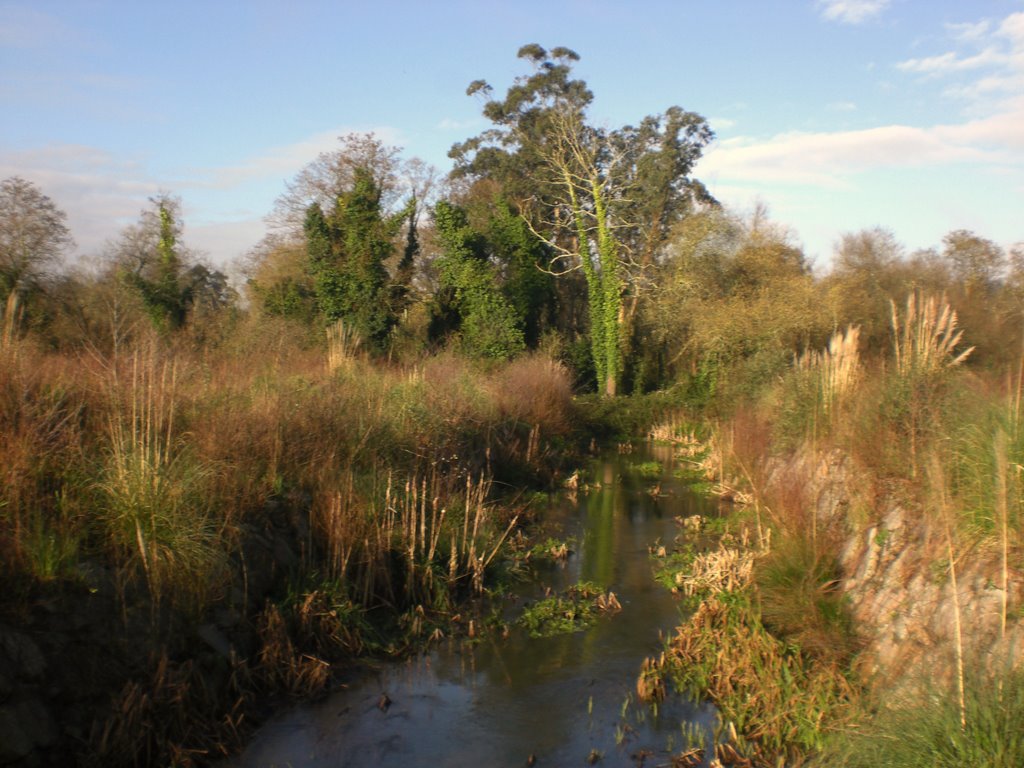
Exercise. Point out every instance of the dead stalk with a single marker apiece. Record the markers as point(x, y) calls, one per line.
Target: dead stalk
point(938, 482)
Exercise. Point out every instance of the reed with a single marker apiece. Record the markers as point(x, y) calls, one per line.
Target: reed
point(833, 373)
point(10, 321)
point(925, 336)
point(343, 343)
point(155, 509)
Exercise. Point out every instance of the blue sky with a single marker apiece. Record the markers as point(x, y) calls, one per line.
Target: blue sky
point(837, 114)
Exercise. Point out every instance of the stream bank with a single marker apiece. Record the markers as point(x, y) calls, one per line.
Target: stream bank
point(507, 696)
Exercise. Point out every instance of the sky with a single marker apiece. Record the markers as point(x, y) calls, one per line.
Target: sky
point(837, 115)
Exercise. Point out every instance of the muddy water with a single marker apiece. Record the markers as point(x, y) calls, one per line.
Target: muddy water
point(564, 700)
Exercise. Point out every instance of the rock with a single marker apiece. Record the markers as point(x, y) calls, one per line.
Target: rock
point(23, 727)
point(14, 742)
point(25, 654)
point(36, 722)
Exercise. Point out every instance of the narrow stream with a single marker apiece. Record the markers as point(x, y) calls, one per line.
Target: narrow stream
point(566, 700)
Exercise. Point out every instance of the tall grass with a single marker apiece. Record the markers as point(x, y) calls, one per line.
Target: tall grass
point(155, 507)
point(820, 383)
point(925, 337)
point(42, 410)
point(930, 727)
point(342, 345)
point(418, 545)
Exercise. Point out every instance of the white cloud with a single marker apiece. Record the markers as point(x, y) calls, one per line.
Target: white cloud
point(851, 11)
point(952, 62)
point(101, 192)
point(833, 160)
point(450, 124)
point(993, 55)
point(969, 32)
point(283, 162)
point(841, 106)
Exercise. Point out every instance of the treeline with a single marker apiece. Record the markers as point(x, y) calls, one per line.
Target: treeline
point(597, 246)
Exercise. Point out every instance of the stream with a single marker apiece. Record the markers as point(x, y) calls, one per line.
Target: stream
point(560, 701)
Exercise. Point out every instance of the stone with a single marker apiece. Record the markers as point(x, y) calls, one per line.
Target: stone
point(25, 654)
point(15, 744)
point(36, 722)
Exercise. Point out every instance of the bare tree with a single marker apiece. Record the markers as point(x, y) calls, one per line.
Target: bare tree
point(33, 235)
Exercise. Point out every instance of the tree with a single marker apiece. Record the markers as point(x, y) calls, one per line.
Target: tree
point(602, 200)
point(169, 280)
point(278, 278)
point(736, 300)
point(156, 266)
point(347, 249)
point(469, 300)
point(976, 262)
point(33, 235)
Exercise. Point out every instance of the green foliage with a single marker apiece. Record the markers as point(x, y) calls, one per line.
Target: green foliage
point(737, 301)
point(625, 418)
point(574, 610)
point(521, 257)
point(165, 295)
point(924, 730)
point(487, 322)
point(347, 249)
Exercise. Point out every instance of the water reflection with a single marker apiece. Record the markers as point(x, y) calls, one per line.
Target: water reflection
point(499, 701)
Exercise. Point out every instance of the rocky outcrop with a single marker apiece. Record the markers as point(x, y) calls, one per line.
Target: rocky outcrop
point(26, 724)
point(895, 571)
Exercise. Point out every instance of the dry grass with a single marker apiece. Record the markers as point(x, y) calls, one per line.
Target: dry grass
point(535, 390)
point(835, 372)
point(173, 716)
point(925, 336)
point(726, 569)
point(343, 344)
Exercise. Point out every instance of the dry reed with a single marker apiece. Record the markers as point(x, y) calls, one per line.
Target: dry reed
point(925, 336)
point(343, 344)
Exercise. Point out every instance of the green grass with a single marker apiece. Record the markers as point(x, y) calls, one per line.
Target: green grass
point(782, 702)
point(925, 730)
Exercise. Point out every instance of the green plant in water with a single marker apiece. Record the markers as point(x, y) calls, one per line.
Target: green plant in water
point(576, 609)
point(782, 701)
point(649, 470)
point(552, 549)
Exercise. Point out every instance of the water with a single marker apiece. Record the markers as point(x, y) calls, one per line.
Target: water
point(498, 701)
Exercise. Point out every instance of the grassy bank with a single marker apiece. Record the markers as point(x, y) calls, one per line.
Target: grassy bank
point(817, 459)
point(186, 535)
